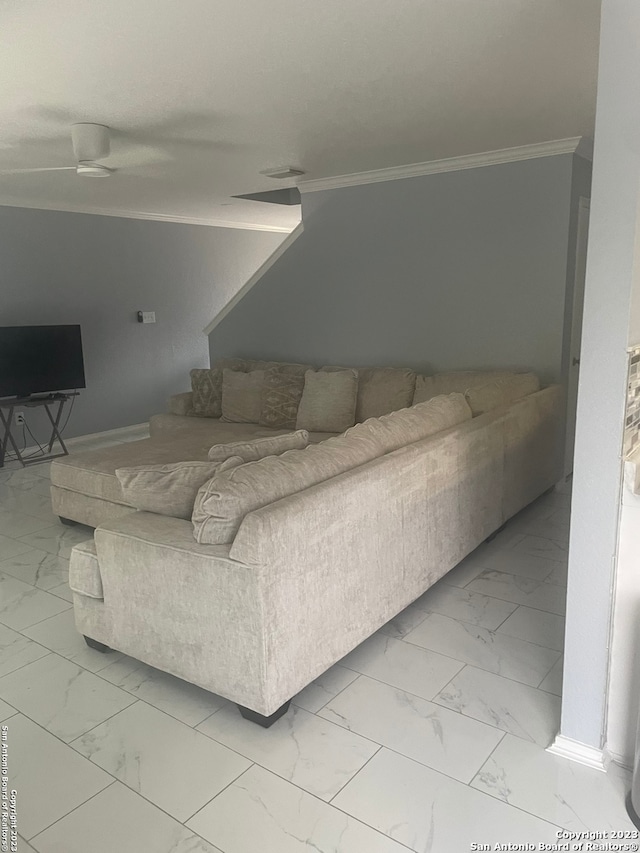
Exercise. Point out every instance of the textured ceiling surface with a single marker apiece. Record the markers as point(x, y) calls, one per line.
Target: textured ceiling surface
point(203, 95)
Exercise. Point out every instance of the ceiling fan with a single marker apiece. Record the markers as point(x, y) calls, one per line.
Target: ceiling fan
point(90, 143)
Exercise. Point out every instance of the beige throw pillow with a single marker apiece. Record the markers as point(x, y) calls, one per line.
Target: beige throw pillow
point(207, 392)
point(242, 396)
point(328, 401)
point(169, 489)
point(249, 451)
point(501, 392)
point(281, 395)
point(454, 382)
point(382, 390)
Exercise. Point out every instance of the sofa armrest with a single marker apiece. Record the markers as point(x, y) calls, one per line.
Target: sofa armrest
point(181, 404)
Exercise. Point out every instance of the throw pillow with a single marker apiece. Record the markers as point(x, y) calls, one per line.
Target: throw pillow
point(249, 451)
point(207, 392)
point(169, 489)
point(453, 382)
point(242, 396)
point(328, 402)
point(281, 397)
point(383, 390)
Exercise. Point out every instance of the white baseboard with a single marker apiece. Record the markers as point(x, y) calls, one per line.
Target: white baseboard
point(566, 747)
point(116, 434)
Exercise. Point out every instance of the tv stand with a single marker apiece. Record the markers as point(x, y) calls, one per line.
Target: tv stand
point(7, 410)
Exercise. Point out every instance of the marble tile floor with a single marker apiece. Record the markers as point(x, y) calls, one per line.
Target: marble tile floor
point(429, 737)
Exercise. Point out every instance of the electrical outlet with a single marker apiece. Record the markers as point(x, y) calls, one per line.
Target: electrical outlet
point(146, 316)
point(19, 417)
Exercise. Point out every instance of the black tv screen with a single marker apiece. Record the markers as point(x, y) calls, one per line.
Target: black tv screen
point(35, 359)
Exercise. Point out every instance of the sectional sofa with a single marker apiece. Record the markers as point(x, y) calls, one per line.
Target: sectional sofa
point(291, 559)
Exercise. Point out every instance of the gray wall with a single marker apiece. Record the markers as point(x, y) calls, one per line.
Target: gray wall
point(99, 271)
point(455, 270)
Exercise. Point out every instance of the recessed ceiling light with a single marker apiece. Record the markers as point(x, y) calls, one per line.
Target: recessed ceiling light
point(283, 172)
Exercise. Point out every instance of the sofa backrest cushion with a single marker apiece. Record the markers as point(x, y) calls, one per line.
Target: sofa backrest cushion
point(501, 391)
point(223, 502)
point(328, 402)
point(453, 382)
point(281, 395)
point(382, 390)
point(242, 396)
point(169, 489)
point(206, 386)
point(258, 448)
point(246, 365)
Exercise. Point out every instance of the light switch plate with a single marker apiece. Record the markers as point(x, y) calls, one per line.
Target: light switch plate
point(148, 316)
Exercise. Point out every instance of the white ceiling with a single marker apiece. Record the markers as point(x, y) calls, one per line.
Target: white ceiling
point(215, 91)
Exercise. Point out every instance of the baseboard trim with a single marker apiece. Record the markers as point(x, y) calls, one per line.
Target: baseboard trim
point(566, 747)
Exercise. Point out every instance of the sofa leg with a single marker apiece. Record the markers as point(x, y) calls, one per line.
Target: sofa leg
point(94, 644)
point(68, 521)
point(495, 533)
point(265, 722)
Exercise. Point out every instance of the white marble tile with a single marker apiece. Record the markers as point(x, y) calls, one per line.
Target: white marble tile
point(519, 590)
point(11, 547)
point(468, 569)
point(42, 469)
point(535, 626)
point(405, 621)
point(563, 792)
point(304, 749)
point(37, 568)
point(521, 565)
point(63, 698)
point(59, 633)
point(408, 667)
point(16, 650)
point(559, 575)
point(119, 820)
point(414, 727)
point(553, 681)
point(6, 710)
point(17, 476)
point(36, 485)
point(508, 705)
point(50, 777)
point(485, 649)
point(58, 539)
point(62, 591)
point(169, 763)
point(554, 527)
point(181, 700)
point(14, 523)
point(325, 687)
point(422, 809)
point(466, 605)
point(538, 546)
point(30, 502)
point(261, 813)
point(22, 605)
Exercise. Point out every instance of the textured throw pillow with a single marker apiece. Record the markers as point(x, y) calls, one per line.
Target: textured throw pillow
point(383, 390)
point(242, 396)
point(169, 489)
point(207, 392)
point(281, 395)
point(501, 392)
point(249, 451)
point(328, 402)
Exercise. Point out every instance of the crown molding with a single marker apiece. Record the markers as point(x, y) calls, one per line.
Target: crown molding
point(450, 164)
point(154, 217)
point(262, 269)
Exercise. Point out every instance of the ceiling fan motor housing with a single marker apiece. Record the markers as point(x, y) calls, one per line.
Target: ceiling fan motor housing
point(90, 141)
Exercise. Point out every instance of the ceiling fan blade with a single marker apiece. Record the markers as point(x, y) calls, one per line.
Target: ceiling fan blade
point(44, 169)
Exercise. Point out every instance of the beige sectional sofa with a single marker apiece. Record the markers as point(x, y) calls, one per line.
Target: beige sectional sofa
point(292, 560)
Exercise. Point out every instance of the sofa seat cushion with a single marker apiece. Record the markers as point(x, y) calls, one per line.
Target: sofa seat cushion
point(217, 431)
point(501, 392)
point(383, 390)
point(93, 472)
point(84, 571)
point(453, 382)
point(223, 502)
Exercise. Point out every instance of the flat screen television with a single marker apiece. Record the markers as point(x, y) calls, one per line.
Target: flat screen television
point(37, 359)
